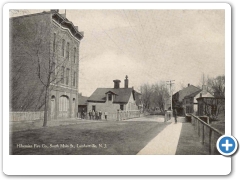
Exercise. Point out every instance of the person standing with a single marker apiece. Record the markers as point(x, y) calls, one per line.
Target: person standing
point(100, 115)
point(93, 114)
point(175, 114)
point(106, 114)
point(90, 115)
point(96, 114)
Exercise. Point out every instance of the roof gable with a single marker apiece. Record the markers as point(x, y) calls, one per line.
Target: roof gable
point(122, 95)
point(187, 91)
point(82, 100)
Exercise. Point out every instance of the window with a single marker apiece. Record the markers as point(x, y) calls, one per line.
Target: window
point(63, 103)
point(121, 107)
point(110, 97)
point(67, 76)
point(94, 108)
point(74, 79)
point(54, 42)
point(62, 74)
point(53, 71)
point(67, 51)
point(63, 47)
point(75, 51)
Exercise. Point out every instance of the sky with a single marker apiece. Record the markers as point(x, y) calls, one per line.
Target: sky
point(148, 45)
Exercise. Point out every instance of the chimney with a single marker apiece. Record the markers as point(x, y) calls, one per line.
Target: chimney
point(204, 89)
point(188, 84)
point(116, 84)
point(126, 82)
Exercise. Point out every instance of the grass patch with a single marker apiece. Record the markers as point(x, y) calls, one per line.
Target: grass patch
point(96, 138)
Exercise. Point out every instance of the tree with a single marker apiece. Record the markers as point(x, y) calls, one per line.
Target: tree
point(217, 86)
point(160, 95)
point(213, 107)
point(154, 95)
point(146, 91)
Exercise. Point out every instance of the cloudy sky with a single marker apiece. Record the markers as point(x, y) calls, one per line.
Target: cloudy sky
point(148, 46)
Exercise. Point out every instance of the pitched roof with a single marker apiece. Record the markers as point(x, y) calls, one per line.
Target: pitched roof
point(122, 95)
point(137, 96)
point(204, 94)
point(193, 94)
point(82, 100)
point(187, 91)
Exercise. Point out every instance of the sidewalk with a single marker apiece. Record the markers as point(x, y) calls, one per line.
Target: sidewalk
point(165, 143)
point(175, 139)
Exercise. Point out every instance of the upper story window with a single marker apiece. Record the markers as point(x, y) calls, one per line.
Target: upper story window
point(53, 71)
point(121, 107)
point(67, 76)
point(54, 42)
point(75, 55)
point(62, 74)
point(74, 78)
point(67, 51)
point(63, 47)
point(109, 97)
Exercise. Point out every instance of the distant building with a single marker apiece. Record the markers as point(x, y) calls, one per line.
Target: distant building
point(190, 102)
point(40, 44)
point(113, 99)
point(82, 103)
point(177, 98)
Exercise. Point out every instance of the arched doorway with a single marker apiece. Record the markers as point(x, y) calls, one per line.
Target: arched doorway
point(73, 108)
point(53, 105)
point(64, 106)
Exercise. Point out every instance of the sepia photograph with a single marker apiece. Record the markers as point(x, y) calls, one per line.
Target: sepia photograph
point(116, 81)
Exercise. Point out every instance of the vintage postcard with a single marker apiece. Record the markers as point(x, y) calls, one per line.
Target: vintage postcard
point(119, 79)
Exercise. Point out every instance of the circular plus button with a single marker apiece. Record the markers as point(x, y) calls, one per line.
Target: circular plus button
point(227, 145)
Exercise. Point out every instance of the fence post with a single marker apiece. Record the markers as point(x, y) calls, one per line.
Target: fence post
point(118, 118)
point(210, 141)
point(198, 128)
point(203, 133)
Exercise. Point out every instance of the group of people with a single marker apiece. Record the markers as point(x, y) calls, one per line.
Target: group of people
point(96, 115)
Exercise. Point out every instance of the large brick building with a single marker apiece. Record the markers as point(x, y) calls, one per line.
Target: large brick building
point(44, 50)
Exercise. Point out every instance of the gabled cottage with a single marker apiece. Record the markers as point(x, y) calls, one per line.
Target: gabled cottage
point(177, 98)
point(190, 102)
point(113, 99)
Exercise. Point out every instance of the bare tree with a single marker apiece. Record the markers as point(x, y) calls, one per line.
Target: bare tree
point(154, 95)
point(146, 91)
point(217, 86)
point(213, 107)
point(160, 95)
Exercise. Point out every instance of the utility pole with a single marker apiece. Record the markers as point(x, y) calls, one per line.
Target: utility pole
point(170, 90)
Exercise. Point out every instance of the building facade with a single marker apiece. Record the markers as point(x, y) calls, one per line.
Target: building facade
point(82, 104)
point(178, 97)
point(44, 56)
point(190, 102)
point(113, 99)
